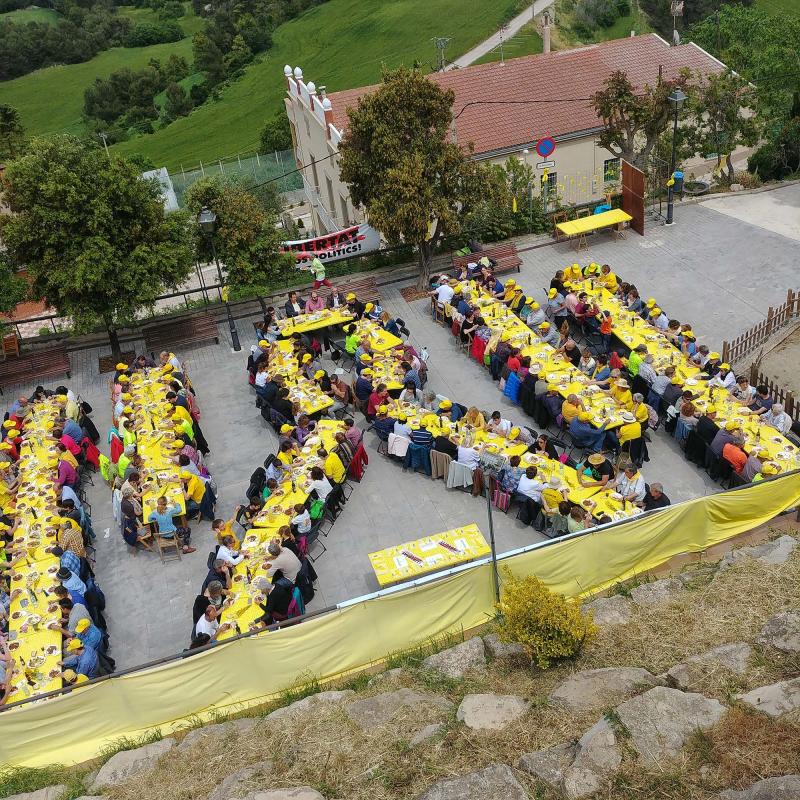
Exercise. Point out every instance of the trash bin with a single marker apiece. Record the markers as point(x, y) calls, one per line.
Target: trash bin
point(678, 187)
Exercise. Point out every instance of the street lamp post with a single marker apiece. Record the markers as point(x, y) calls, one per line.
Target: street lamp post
point(207, 222)
point(677, 99)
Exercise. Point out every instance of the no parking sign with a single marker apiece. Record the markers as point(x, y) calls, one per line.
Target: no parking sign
point(545, 147)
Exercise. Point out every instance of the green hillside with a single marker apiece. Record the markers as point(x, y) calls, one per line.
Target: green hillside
point(339, 44)
point(33, 14)
point(525, 42)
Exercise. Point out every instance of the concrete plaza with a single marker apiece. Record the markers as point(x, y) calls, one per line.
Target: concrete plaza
point(711, 268)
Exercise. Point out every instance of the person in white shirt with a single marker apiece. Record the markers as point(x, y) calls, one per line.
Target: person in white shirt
point(319, 483)
point(209, 624)
point(743, 391)
point(228, 554)
point(777, 418)
point(469, 457)
point(401, 427)
point(497, 424)
point(659, 319)
point(283, 559)
point(301, 521)
point(630, 484)
point(443, 294)
point(724, 378)
point(529, 492)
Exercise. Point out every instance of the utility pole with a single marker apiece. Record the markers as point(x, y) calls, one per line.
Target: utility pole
point(440, 42)
point(104, 137)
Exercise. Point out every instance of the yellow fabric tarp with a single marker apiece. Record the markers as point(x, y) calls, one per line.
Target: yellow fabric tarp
point(74, 727)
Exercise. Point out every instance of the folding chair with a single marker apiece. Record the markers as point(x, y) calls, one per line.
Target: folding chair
point(169, 549)
point(312, 538)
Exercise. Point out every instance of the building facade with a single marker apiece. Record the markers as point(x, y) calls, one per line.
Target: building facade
point(502, 110)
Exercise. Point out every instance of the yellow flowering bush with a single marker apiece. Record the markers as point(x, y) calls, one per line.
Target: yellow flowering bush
point(546, 624)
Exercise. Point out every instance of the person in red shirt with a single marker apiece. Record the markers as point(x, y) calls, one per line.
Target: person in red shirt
point(378, 398)
point(513, 362)
point(732, 452)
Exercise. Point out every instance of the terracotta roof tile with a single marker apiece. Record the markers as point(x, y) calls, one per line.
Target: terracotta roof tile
point(562, 74)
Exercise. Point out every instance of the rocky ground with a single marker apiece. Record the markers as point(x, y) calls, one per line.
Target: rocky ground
point(692, 690)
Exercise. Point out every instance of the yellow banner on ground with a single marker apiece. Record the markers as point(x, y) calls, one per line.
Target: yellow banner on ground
point(74, 727)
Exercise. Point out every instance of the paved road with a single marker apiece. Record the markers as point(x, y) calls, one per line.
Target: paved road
point(493, 41)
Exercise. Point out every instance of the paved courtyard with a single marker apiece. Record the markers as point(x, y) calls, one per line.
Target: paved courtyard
point(711, 268)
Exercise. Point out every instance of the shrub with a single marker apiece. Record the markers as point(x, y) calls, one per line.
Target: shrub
point(546, 624)
point(145, 34)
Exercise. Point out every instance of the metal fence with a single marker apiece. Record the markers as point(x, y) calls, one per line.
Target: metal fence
point(259, 167)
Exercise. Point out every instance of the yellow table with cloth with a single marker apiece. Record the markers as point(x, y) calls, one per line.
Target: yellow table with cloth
point(156, 442)
point(306, 393)
point(379, 339)
point(35, 647)
point(616, 218)
point(313, 321)
point(431, 553)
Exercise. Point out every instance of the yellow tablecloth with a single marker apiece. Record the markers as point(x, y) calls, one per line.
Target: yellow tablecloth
point(576, 227)
point(304, 392)
point(429, 554)
point(379, 339)
point(35, 648)
point(314, 321)
point(154, 433)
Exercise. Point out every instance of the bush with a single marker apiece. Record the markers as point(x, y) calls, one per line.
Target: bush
point(546, 624)
point(146, 33)
point(779, 157)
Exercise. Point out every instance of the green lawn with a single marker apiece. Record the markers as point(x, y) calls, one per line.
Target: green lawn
point(524, 43)
point(23, 15)
point(190, 23)
point(50, 100)
point(623, 27)
point(779, 6)
point(340, 44)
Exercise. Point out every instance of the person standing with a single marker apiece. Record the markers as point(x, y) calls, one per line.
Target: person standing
point(318, 270)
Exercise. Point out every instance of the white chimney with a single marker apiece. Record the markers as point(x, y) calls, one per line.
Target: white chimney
point(545, 32)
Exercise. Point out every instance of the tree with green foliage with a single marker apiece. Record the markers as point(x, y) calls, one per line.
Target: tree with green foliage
point(208, 58)
point(13, 289)
point(694, 11)
point(276, 134)
point(12, 134)
point(402, 166)
point(92, 234)
point(635, 119)
point(247, 241)
point(721, 117)
point(239, 54)
point(177, 102)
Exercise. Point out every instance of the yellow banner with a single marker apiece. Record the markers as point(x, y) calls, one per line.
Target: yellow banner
point(74, 727)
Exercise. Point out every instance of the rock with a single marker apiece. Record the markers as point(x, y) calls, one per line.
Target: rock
point(372, 712)
point(428, 732)
point(782, 632)
point(610, 611)
point(300, 793)
point(300, 707)
point(385, 677)
point(490, 712)
point(48, 793)
point(775, 552)
point(236, 783)
point(785, 787)
point(456, 661)
point(88, 778)
point(661, 720)
point(577, 769)
point(500, 649)
point(737, 187)
point(729, 657)
point(657, 592)
point(495, 782)
point(221, 731)
point(550, 764)
point(598, 688)
point(129, 763)
point(776, 699)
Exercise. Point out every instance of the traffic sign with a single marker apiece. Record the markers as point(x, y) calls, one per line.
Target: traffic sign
point(545, 147)
point(545, 164)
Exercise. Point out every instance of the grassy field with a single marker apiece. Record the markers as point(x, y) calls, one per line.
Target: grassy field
point(524, 43)
point(50, 100)
point(339, 44)
point(779, 6)
point(23, 15)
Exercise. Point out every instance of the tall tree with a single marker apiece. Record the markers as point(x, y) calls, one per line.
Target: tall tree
point(721, 118)
point(12, 134)
point(402, 167)
point(92, 234)
point(633, 118)
point(247, 240)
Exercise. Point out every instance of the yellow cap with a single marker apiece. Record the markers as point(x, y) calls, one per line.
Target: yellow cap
point(350, 297)
point(369, 306)
point(528, 301)
point(535, 306)
point(124, 379)
point(129, 410)
point(263, 343)
point(446, 405)
point(12, 433)
point(176, 445)
point(544, 326)
point(74, 644)
point(126, 396)
point(724, 366)
point(651, 302)
point(713, 356)
point(731, 425)
point(689, 335)
point(4, 465)
point(9, 423)
point(368, 372)
point(306, 358)
point(769, 468)
point(511, 282)
point(69, 675)
point(382, 409)
point(457, 290)
point(122, 366)
point(513, 433)
point(656, 312)
point(320, 373)
point(552, 293)
point(366, 358)
point(286, 428)
point(401, 417)
point(185, 475)
point(552, 387)
point(5, 446)
point(82, 625)
point(81, 678)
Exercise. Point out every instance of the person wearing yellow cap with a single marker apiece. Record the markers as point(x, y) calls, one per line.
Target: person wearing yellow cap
point(536, 316)
point(724, 377)
point(769, 469)
point(556, 309)
point(573, 273)
point(517, 300)
point(727, 434)
point(354, 306)
point(379, 397)
point(195, 490)
point(591, 270)
point(607, 279)
point(79, 660)
point(549, 334)
point(89, 634)
point(658, 318)
point(584, 434)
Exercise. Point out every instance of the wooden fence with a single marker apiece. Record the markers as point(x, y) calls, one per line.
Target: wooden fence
point(758, 334)
point(778, 393)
